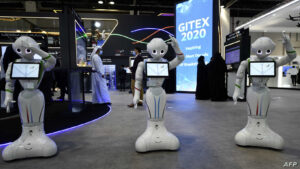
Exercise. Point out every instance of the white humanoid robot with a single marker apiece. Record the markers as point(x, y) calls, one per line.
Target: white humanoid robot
point(156, 136)
point(257, 132)
point(33, 141)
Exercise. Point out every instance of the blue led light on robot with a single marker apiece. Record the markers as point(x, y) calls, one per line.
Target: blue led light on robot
point(68, 129)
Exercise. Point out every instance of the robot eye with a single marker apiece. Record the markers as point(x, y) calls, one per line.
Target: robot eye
point(259, 52)
point(27, 51)
point(268, 51)
point(162, 51)
point(154, 51)
point(19, 50)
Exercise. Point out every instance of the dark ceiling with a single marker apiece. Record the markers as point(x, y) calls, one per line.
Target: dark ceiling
point(124, 6)
point(238, 8)
point(249, 8)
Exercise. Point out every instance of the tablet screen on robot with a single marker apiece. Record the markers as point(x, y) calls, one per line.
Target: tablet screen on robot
point(157, 69)
point(262, 69)
point(21, 70)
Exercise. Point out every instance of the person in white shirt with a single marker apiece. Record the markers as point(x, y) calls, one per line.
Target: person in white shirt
point(100, 91)
point(293, 72)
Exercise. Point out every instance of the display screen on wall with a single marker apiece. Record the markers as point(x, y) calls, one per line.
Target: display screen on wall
point(194, 24)
point(232, 55)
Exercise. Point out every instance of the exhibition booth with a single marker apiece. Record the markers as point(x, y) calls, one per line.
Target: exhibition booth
point(70, 38)
point(271, 24)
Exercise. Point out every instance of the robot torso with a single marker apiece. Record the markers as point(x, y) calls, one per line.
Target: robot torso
point(154, 82)
point(32, 84)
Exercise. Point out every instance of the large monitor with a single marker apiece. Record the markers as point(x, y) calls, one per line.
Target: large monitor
point(232, 55)
point(24, 70)
point(262, 69)
point(157, 69)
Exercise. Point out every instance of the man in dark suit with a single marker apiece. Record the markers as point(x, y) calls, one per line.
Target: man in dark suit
point(138, 58)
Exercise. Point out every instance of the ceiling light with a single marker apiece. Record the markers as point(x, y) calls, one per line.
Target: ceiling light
point(266, 14)
point(18, 30)
point(222, 6)
point(100, 2)
point(111, 2)
point(97, 24)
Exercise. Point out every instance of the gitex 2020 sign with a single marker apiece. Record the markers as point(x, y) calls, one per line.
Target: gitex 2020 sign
point(194, 19)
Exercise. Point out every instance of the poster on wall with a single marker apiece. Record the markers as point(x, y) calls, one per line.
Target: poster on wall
point(194, 25)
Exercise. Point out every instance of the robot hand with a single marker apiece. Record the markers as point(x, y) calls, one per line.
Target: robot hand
point(286, 42)
point(236, 95)
point(8, 99)
point(174, 45)
point(285, 38)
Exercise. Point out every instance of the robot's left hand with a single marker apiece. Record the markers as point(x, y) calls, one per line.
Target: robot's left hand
point(173, 42)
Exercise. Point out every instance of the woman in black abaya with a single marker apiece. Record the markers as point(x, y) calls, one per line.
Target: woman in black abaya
point(216, 73)
point(202, 89)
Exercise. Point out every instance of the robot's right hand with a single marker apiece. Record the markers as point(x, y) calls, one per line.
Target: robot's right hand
point(8, 99)
point(236, 95)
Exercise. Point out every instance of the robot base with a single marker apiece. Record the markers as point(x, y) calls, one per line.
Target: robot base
point(33, 142)
point(156, 137)
point(257, 133)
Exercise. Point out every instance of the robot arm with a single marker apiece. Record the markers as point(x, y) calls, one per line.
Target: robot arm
point(49, 60)
point(179, 55)
point(138, 82)
point(291, 53)
point(9, 88)
point(239, 77)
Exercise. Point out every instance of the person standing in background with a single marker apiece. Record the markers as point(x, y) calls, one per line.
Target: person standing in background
point(202, 89)
point(293, 72)
point(216, 74)
point(122, 77)
point(100, 92)
point(138, 58)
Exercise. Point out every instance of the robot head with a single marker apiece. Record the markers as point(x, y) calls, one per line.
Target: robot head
point(22, 46)
point(157, 48)
point(263, 47)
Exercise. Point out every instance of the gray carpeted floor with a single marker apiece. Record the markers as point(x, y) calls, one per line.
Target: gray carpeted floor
point(204, 128)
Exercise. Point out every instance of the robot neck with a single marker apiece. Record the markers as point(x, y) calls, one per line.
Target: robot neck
point(27, 60)
point(256, 58)
point(156, 59)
